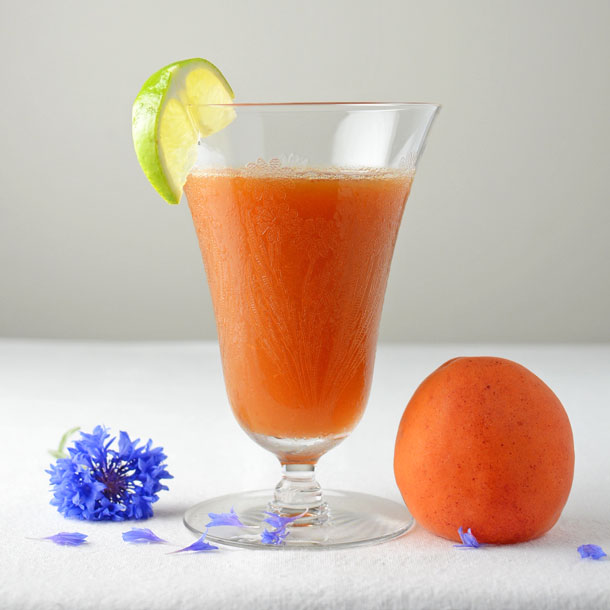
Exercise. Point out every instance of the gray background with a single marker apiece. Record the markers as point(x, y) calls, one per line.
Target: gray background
point(506, 234)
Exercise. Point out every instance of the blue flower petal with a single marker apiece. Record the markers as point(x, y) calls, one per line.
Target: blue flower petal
point(591, 550)
point(278, 522)
point(68, 538)
point(229, 518)
point(468, 540)
point(198, 546)
point(274, 537)
point(139, 535)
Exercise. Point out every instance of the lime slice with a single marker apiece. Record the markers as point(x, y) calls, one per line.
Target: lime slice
point(168, 119)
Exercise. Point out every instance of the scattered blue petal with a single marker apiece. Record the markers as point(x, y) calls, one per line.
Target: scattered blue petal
point(591, 550)
point(468, 540)
point(279, 522)
point(68, 538)
point(198, 546)
point(99, 483)
point(229, 518)
point(139, 535)
point(274, 537)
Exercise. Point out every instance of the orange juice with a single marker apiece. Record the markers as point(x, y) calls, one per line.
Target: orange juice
point(297, 263)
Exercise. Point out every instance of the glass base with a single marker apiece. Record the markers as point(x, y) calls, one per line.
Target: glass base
point(352, 519)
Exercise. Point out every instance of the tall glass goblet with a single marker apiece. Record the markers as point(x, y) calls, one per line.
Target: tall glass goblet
point(297, 208)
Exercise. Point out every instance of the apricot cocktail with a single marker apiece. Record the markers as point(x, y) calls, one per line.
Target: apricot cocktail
point(297, 263)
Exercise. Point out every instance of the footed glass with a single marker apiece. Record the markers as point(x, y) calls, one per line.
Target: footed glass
point(297, 208)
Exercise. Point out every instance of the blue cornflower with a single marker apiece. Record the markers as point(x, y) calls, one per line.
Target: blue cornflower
point(591, 550)
point(468, 540)
point(230, 518)
point(98, 483)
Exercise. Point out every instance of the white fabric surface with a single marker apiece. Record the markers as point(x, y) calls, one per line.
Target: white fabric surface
point(174, 394)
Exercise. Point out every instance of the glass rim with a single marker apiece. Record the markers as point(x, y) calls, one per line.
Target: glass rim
point(318, 105)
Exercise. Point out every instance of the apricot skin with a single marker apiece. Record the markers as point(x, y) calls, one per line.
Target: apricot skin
point(485, 444)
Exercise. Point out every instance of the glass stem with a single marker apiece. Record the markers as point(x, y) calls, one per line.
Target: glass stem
point(299, 492)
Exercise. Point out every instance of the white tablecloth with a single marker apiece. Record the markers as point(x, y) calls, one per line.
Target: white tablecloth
point(174, 394)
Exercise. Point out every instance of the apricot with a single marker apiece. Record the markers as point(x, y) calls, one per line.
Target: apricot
point(485, 444)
